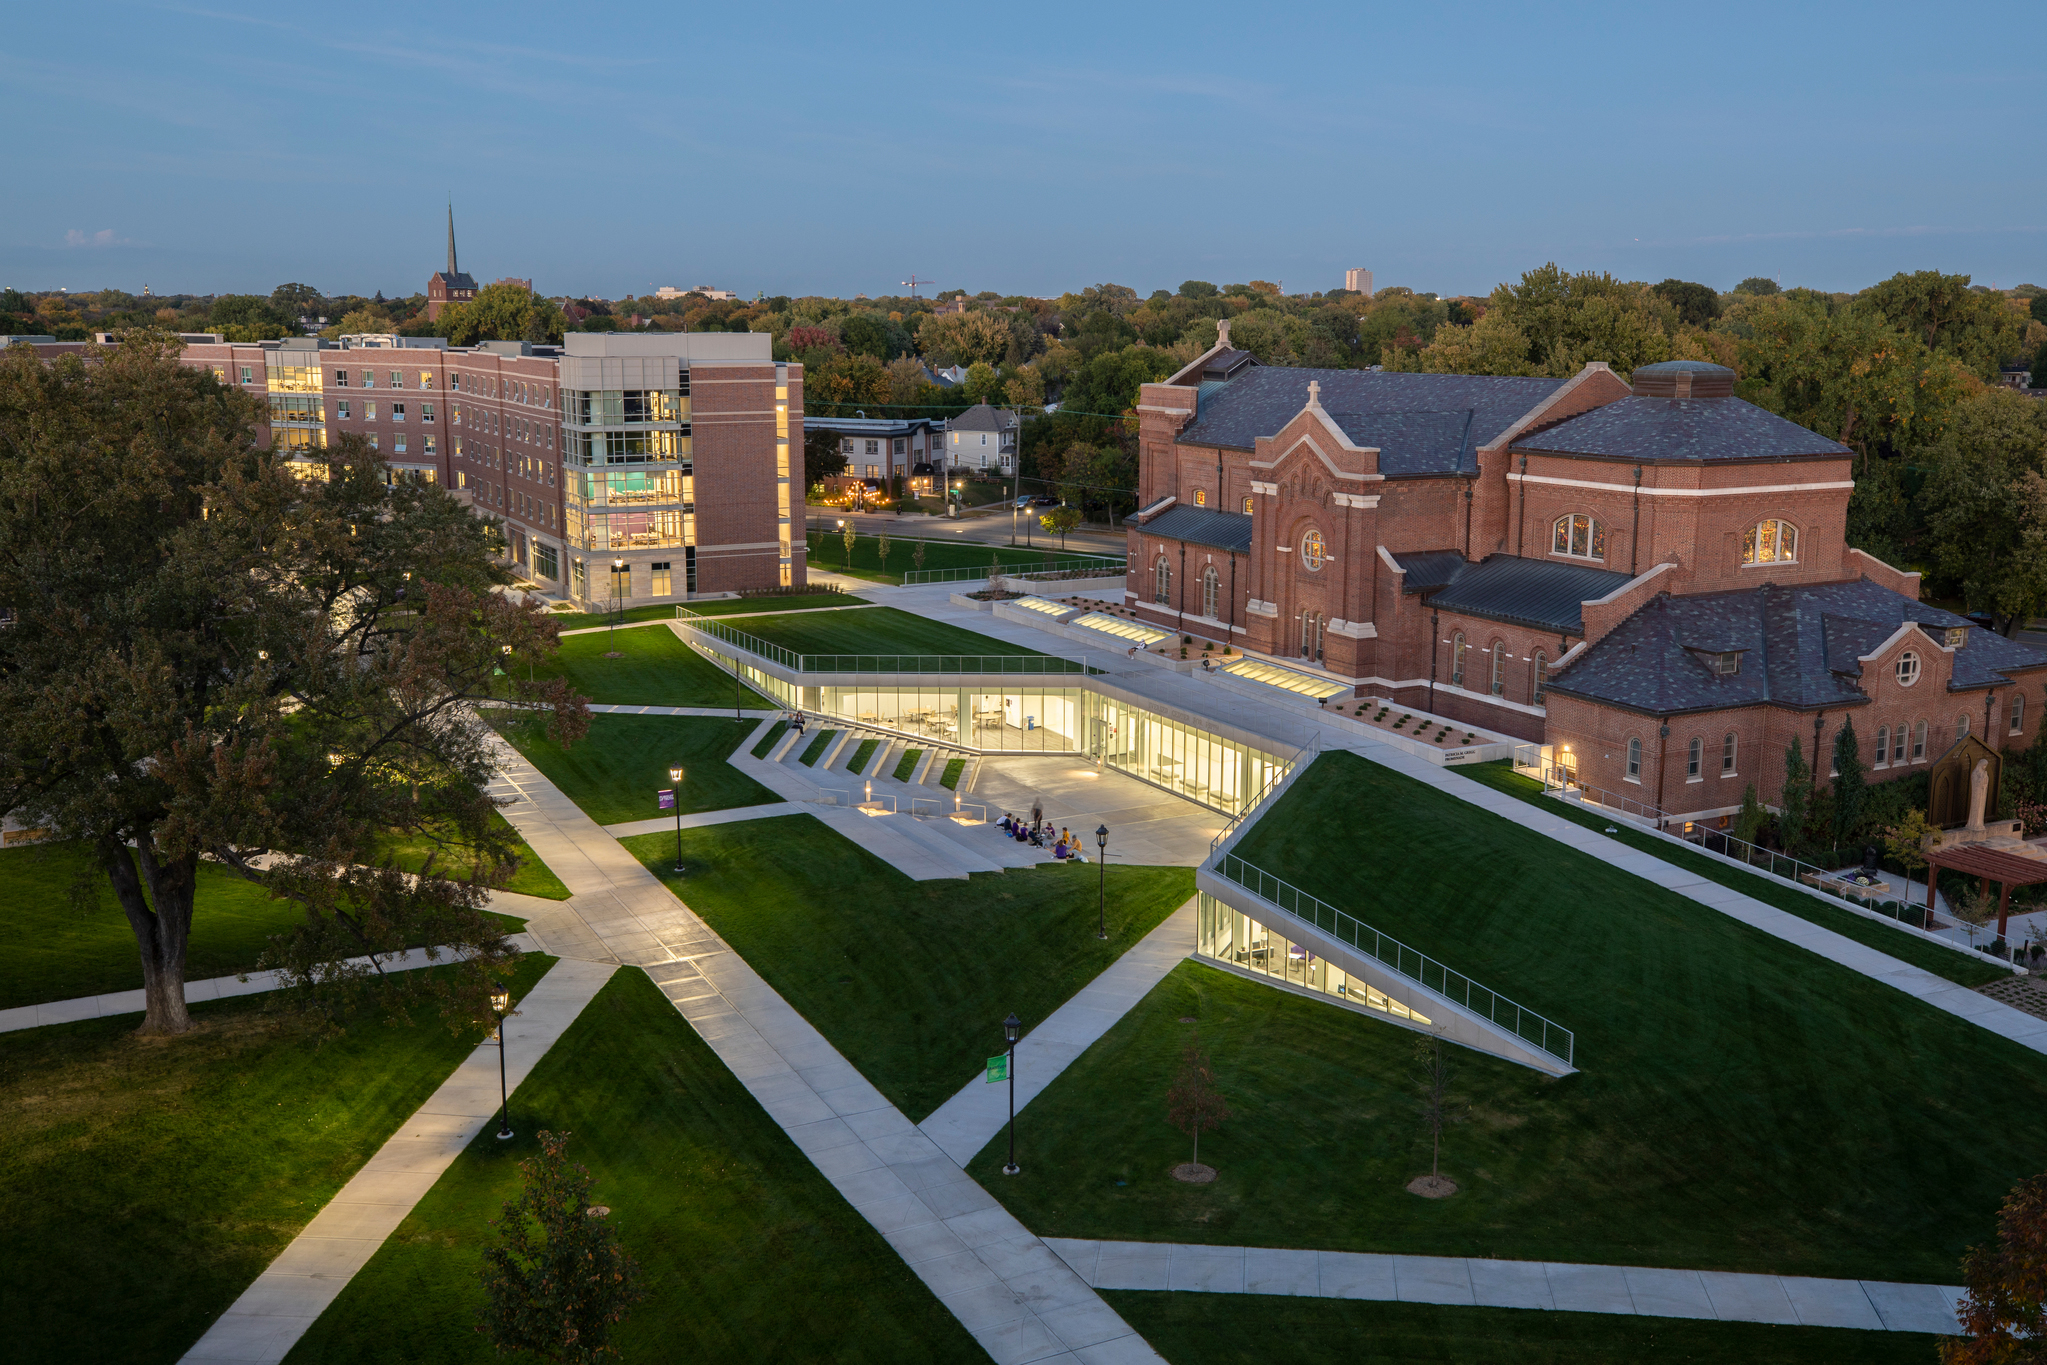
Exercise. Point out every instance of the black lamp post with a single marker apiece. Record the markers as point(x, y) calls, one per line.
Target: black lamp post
point(501, 1005)
point(675, 776)
point(617, 606)
point(1102, 857)
point(1012, 1029)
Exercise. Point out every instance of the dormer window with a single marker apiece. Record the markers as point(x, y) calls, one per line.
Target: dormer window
point(1770, 542)
point(1956, 637)
point(1724, 663)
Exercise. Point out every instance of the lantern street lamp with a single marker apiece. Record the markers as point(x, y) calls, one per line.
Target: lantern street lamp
point(501, 1005)
point(675, 776)
point(1102, 857)
point(1012, 1029)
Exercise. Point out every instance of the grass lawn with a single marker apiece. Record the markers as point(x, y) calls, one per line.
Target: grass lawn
point(149, 1180)
point(906, 766)
point(862, 754)
point(910, 980)
point(1251, 1329)
point(658, 670)
point(875, 630)
point(1905, 945)
point(533, 877)
point(1743, 1104)
point(775, 732)
point(747, 1253)
point(828, 551)
point(950, 778)
point(815, 749)
point(49, 951)
point(614, 771)
point(711, 606)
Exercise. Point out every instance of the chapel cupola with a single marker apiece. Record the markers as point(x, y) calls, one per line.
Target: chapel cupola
point(1683, 379)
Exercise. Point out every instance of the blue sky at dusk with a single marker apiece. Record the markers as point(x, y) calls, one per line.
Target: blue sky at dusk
point(837, 148)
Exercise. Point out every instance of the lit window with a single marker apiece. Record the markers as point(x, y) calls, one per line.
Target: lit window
point(1313, 551)
point(1770, 542)
point(369, 412)
point(1956, 637)
point(1908, 668)
point(1695, 759)
point(1247, 507)
point(1634, 759)
point(1580, 537)
point(1201, 497)
point(426, 379)
point(1727, 746)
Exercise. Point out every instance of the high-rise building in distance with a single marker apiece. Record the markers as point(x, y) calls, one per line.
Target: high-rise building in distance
point(1358, 281)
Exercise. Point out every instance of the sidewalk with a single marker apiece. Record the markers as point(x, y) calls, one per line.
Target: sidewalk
point(1874, 1305)
point(274, 1312)
point(1019, 1300)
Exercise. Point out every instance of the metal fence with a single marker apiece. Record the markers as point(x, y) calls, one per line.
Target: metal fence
point(920, 665)
point(1531, 1028)
point(1096, 568)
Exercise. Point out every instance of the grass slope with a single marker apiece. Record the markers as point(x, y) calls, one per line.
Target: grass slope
point(862, 754)
point(1904, 945)
point(906, 766)
point(149, 1180)
point(828, 551)
point(876, 630)
point(746, 1252)
point(1249, 1329)
point(711, 606)
point(1743, 1104)
point(910, 980)
point(657, 670)
point(613, 772)
point(767, 742)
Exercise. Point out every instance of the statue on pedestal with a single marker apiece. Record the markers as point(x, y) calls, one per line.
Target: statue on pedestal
point(1979, 792)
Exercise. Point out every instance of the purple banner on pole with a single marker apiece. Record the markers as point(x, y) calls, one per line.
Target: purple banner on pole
point(667, 799)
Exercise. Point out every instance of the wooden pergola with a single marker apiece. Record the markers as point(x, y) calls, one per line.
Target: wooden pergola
point(1990, 864)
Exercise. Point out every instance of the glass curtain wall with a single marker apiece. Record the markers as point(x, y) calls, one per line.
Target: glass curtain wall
point(1226, 934)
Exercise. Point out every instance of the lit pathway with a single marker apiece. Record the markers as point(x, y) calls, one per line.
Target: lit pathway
point(964, 1124)
point(275, 1311)
point(1020, 1301)
point(208, 988)
point(1875, 1305)
point(665, 824)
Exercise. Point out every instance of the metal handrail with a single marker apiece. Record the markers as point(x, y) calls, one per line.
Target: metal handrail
point(1537, 1031)
point(1270, 793)
point(972, 573)
point(914, 664)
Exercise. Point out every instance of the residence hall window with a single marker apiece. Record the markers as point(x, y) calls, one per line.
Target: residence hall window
point(2018, 712)
point(1161, 581)
point(1919, 742)
point(1770, 542)
point(426, 412)
point(1580, 537)
point(1695, 759)
point(1883, 745)
point(1634, 759)
point(1457, 659)
point(662, 578)
point(1211, 590)
point(1727, 755)
point(544, 561)
point(1541, 675)
point(1908, 669)
point(397, 412)
point(341, 379)
point(248, 375)
point(341, 410)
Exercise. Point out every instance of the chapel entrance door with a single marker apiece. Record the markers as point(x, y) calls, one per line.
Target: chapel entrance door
point(1312, 623)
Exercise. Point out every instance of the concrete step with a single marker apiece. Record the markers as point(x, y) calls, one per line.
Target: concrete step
point(986, 841)
point(784, 745)
point(837, 749)
point(927, 834)
point(797, 750)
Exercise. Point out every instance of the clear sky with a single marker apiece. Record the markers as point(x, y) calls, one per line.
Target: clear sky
point(835, 149)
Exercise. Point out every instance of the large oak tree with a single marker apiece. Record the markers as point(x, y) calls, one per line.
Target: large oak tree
point(221, 653)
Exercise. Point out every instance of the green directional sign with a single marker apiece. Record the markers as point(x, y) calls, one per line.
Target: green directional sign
point(998, 1068)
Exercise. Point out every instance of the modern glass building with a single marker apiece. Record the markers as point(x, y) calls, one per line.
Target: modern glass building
point(1227, 935)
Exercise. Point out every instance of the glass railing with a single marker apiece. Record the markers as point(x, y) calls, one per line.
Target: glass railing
point(1531, 1028)
point(1056, 569)
point(923, 665)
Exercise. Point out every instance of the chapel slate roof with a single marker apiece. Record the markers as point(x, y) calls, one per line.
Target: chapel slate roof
point(1798, 647)
point(1202, 526)
point(1427, 570)
point(1542, 594)
point(1422, 423)
point(1680, 430)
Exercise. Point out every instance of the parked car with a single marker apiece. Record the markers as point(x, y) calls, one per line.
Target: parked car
point(1044, 500)
point(1023, 503)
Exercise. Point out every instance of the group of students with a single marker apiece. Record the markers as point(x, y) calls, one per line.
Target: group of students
point(1039, 832)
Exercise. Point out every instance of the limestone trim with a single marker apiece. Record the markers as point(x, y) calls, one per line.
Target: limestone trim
point(1535, 414)
point(1650, 491)
point(1627, 587)
point(1391, 563)
point(1195, 366)
point(1170, 412)
point(1363, 500)
point(1491, 700)
point(1356, 630)
point(1897, 637)
point(1562, 659)
point(1258, 608)
point(1270, 490)
point(1330, 464)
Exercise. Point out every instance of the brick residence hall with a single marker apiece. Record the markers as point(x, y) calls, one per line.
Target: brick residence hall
point(1651, 581)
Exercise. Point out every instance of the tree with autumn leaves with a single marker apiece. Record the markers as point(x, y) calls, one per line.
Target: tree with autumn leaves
point(2004, 1314)
point(271, 664)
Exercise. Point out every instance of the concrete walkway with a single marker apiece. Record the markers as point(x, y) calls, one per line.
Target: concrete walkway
point(208, 988)
point(964, 1124)
point(275, 1311)
point(665, 824)
point(1018, 1299)
point(1719, 1296)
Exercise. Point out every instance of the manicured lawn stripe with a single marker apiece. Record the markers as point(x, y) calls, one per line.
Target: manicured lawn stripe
point(657, 669)
point(950, 778)
point(861, 755)
point(614, 772)
point(910, 980)
point(1904, 945)
point(1246, 1329)
point(906, 766)
point(809, 756)
point(769, 741)
point(1743, 1104)
point(875, 630)
point(149, 1180)
point(713, 606)
point(828, 551)
point(747, 1252)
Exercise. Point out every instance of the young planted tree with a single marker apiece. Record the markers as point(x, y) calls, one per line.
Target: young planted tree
point(1748, 825)
point(1849, 786)
point(848, 536)
point(557, 1282)
point(2004, 1314)
point(917, 555)
point(1438, 1111)
point(1059, 521)
point(1906, 842)
point(881, 548)
point(1192, 1102)
point(1796, 800)
point(216, 657)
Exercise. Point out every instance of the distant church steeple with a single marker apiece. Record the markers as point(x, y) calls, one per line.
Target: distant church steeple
point(452, 271)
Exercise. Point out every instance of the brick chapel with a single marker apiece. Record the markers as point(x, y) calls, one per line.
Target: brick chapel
point(1651, 579)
